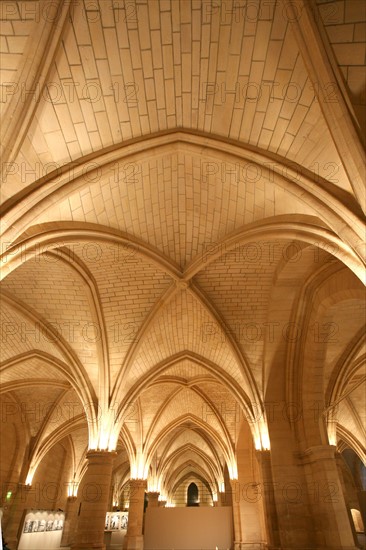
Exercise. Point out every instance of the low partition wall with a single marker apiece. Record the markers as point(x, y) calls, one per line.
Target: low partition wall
point(205, 528)
point(41, 529)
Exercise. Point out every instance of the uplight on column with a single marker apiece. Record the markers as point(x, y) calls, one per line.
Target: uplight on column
point(72, 489)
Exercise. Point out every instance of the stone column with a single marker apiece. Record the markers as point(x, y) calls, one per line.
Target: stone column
point(21, 498)
point(71, 517)
point(162, 503)
point(153, 499)
point(236, 513)
point(362, 501)
point(134, 539)
point(267, 492)
point(340, 465)
point(330, 517)
point(95, 493)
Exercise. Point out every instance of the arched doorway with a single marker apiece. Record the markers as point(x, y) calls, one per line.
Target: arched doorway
point(192, 495)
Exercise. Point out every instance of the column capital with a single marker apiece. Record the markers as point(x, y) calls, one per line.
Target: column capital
point(95, 455)
point(153, 498)
point(138, 483)
point(263, 454)
point(319, 452)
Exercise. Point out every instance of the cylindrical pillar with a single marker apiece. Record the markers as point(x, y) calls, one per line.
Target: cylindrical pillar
point(362, 501)
point(19, 503)
point(95, 493)
point(134, 539)
point(270, 510)
point(236, 513)
point(333, 528)
point(68, 533)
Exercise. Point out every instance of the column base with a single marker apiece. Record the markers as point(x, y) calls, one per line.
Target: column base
point(251, 546)
point(132, 542)
point(88, 546)
point(12, 542)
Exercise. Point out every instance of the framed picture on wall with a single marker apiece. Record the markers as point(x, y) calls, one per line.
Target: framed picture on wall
point(34, 526)
point(49, 525)
point(57, 524)
point(41, 525)
point(124, 521)
point(114, 522)
point(27, 526)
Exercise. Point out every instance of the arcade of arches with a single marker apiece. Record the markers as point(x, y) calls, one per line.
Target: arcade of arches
point(183, 237)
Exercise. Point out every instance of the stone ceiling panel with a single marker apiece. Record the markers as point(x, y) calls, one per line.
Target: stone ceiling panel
point(230, 76)
point(345, 25)
point(239, 285)
point(65, 411)
point(17, 22)
point(128, 288)
point(182, 202)
point(187, 402)
point(337, 334)
point(155, 396)
point(189, 437)
point(21, 335)
point(33, 368)
point(35, 403)
point(181, 326)
point(59, 295)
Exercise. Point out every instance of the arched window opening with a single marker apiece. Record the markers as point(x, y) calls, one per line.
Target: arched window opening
point(192, 495)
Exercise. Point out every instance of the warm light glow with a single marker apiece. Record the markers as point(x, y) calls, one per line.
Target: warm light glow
point(72, 489)
point(233, 470)
point(106, 437)
point(265, 442)
point(261, 439)
point(222, 487)
point(153, 484)
point(30, 476)
point(139, 468)
point(332, 432)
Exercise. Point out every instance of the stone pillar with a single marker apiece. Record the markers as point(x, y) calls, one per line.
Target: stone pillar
point(270, 510)
point(153, 499)
point(21, 498)
point(95, 494)
point(71, 517)
point(236, 513)
point(362, 501)
point(340, 465)
point(162, 503)
point(134, 539)
point(221, 498)
point(330, 517)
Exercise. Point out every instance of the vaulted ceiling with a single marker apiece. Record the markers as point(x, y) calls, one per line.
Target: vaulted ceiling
point(183, 190)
